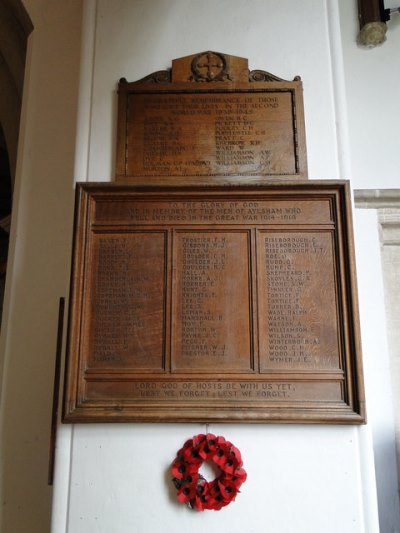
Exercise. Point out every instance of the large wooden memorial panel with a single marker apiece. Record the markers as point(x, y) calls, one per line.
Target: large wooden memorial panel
point(209, 118)
point(214, 304)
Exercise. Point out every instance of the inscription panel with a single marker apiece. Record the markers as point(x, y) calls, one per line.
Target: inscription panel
point(211, 298)
point(212, 303)
point(126, 301)
point(242, 133)
point(239, 392)
point(219, 210)
point(298, 307)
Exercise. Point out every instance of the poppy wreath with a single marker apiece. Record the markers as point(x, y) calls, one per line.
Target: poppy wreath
point(193, 488)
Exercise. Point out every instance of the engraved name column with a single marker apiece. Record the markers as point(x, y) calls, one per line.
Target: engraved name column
point(299, 327)
point(211, 301)
point(127, 300)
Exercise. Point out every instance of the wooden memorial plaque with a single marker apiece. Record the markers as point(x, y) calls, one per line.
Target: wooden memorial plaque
point(208, 118)
point(213, 303)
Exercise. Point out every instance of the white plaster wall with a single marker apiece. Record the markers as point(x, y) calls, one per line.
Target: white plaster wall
point(377, 366)
point(372, 79)
point(301, 478)
point(389, 219)
point(298, 480)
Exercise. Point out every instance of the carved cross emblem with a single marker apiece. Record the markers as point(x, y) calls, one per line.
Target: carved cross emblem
point(212, 60)
point(209, 66)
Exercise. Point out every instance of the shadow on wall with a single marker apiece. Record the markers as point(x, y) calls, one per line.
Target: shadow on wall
point(15, 26)
point(5, 214)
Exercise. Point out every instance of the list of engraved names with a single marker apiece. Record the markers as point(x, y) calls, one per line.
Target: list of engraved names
point(128, 299)
point(211, 134)
point(299, 329)
point(242, 295)
point(212, 301)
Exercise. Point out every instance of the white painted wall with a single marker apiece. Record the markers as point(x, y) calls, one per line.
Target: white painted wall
point(377, 367)
point(299, 479)
point(371, 92)
point(114, 478)
point(372, 82)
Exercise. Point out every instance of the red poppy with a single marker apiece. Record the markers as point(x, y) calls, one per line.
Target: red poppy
point(225, 460)
point(236, 453)
point(216, 501)
point(202, 496)
point(239, 476)
point(181, 469)
point(228, 490)
point(188, 444)
point(186, 493)
point(221, 441)
point(191, 455)
point(198, 439)
point(208, 447)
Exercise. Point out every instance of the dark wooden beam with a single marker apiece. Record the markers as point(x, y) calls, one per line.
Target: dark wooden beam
point(56, 392)
point(370, 11)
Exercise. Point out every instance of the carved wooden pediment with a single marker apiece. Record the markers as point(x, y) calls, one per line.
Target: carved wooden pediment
point(208, 67)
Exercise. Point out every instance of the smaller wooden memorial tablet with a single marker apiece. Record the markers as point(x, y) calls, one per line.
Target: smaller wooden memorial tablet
point(214, 304)
point(208, 118)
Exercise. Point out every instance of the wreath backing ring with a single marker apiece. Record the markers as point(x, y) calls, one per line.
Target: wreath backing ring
point(193, 489)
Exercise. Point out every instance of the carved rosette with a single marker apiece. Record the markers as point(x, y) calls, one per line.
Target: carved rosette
point(209, 66)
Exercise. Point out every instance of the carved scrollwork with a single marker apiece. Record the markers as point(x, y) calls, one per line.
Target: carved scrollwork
point(263, 75)
point(161, 76)
point(209, 66)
